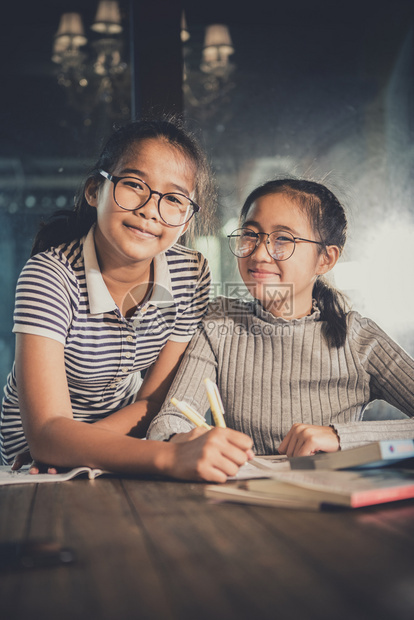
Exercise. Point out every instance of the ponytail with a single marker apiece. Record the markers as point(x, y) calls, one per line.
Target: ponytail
point(63, 227)
point(333, 308)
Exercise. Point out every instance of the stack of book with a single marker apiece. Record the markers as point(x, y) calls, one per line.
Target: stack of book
point(372, 474)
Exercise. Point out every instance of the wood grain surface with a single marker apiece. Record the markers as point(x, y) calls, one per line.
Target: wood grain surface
point(158, 549)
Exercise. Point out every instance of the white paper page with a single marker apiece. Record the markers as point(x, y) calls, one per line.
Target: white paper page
point(262, 467)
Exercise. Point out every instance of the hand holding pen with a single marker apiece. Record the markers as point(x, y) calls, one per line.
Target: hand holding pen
point(217, 410)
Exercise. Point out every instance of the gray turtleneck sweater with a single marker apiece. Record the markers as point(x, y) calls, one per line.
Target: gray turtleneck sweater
point(272, 372)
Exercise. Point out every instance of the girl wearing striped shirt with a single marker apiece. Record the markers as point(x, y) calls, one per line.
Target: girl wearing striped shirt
point(108, 292)
point(295, 369)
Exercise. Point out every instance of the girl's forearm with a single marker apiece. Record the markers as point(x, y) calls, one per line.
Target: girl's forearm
point(131, 420)
point(213, 456)
point(65, 442)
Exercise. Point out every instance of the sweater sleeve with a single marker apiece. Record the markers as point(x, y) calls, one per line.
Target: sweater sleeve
point(199, 362)
point(391, 378)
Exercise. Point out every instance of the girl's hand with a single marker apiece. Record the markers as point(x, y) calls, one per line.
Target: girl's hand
point(23, 458)
point(212, 456)
point(306, 439)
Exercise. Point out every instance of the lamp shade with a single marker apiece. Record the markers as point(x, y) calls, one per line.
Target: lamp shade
point(108, 18)
point(218, 47)
point(70, 31)
point(218, 35)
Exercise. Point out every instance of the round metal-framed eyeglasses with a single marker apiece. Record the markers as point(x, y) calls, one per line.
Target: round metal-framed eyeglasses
point(280, 245)
point(132, 193)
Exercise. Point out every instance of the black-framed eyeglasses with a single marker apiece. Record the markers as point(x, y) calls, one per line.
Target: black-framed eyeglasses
point(131, 193)
point(280, 245)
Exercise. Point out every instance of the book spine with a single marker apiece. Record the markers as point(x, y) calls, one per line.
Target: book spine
point(381, 496)
point(402, 448)
point(303, 462)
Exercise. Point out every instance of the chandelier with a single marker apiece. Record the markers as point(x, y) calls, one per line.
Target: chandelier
point(207, 86)
point(93, 70)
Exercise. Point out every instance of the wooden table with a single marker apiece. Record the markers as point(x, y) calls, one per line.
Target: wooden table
point(159, 550)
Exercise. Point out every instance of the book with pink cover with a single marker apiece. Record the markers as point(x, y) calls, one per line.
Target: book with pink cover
point(313, 489)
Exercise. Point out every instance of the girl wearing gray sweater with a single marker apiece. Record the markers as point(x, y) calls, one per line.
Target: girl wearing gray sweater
point(295, 369)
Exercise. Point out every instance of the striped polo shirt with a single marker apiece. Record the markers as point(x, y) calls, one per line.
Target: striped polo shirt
point(61, 295)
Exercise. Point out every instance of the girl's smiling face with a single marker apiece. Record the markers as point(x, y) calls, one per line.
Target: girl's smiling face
point(128, 238)
point(290, 281)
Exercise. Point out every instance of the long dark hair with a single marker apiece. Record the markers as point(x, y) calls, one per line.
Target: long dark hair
point(329, 223)
point(67, 225)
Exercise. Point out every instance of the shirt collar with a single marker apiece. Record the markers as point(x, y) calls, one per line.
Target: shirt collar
point(100, 299)
point(267, 316)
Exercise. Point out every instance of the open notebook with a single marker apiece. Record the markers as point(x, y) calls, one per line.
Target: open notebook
point(24, 477)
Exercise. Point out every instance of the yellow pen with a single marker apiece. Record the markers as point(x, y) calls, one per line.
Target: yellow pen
point(216, 403)
point(190, 413)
